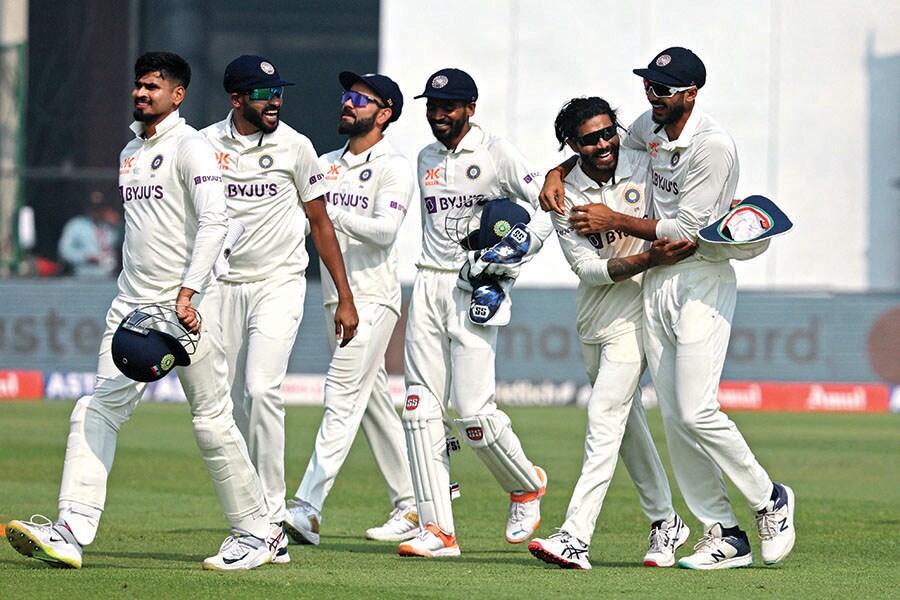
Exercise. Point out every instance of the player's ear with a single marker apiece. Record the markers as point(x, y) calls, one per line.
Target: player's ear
point(178, 95)
point(470, 108)
point(235, 100)
point(384, 115)
point(571, 144)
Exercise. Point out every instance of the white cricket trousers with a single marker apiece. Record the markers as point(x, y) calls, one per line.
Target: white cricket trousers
point(260, 322)
point(688, 308)
point(96, 421)
point(356, 393)
point(616, 416)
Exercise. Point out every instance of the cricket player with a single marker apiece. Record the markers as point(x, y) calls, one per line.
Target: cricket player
point(688, 309)
point(274, 188)
point(450, 360)
point(370, 188)
point(175, 223)
point(609, 309)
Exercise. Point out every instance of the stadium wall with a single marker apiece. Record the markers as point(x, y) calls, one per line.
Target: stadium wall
point(789, 351)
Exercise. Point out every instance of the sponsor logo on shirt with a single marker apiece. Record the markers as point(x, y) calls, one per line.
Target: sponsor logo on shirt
point(315, 178)
point(344, 199)
point(435, 204)
point(652, 148)
point(204, 178)
point(433, 176)
point(398, 206)
point(333, 172)
point(266, 161)
point(664, 185)
point(140, 192)
point(530, 177)
point(250, 190)
point(127, 164)
point(224, 159)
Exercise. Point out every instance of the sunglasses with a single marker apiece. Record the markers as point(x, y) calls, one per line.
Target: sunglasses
point(359, 100)
point(661, 90)
point(266, 93)
point(592, 138)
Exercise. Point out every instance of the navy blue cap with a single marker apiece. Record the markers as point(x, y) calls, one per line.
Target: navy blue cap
point(498, 217)
point(755, 218)
point(676, 67)
point(143, 352)
point(384, 86)
point(451, 84)
point(249, 72)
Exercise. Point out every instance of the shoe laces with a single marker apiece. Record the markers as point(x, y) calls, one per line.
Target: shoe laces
point(659, 538)
point(768, 525)
point(517, 512)
point(707, 543)
point(44, 521)
point(561, 536)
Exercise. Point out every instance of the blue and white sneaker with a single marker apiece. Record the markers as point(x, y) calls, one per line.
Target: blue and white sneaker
point(561, 549)
point(239, 552)
point(716, 550)
point(776, 525)
point(278, 544)
point(665, 538)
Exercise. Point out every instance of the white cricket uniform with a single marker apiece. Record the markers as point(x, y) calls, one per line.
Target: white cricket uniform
point(267, 176)
point(608, 321)
point(175, 224)
point(445, 353)
point(368, 197)
point(688, 309)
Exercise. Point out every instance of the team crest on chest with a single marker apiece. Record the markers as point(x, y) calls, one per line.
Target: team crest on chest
point(632, 195)
point(675, 158)
point(266, 161)
point(365, 175)
point(473, 172)
point(157, 162)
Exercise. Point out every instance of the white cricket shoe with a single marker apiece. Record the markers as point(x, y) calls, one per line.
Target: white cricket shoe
point(402, 525)
point(718, 551)
point(525, 511)
point(430, 543)
point(665, 538)
point(50, 542)
point(301, 522)
point(239, 552)
point(278, 544)
point(776, 525)
point(563, 550)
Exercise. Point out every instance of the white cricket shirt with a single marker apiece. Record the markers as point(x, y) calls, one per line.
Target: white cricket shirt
point(175, 220)
point(605, 309)
point(694, 180)
point(482, 167)
point(266, 178)
point(368, 196)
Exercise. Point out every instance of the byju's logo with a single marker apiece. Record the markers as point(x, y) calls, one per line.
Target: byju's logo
point(431, 204)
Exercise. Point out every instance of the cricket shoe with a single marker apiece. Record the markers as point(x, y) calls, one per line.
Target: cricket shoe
point(776, 525)
point(278, 544)
point(402, 525)
point(430, 543)
point(525, 512)
point(718, 550)
point(50, 542)
point(563, 550)
point(665, 538)
point(239, 552)
point(301, 522)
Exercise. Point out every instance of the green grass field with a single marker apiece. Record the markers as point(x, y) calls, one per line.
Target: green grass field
point(162, 517)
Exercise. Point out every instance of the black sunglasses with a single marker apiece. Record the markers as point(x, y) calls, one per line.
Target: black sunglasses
point(591, 139)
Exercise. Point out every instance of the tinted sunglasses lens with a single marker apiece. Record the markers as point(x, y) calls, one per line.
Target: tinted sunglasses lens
point(355, 98)
point(593, 137)
point(659, 90)
point(266, 93)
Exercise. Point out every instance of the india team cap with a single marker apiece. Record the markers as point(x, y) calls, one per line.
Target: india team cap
point(384, 86)
point(249, 72)
point(755, 218)
point(676, 67)
point(497, 218)
point(451, 84)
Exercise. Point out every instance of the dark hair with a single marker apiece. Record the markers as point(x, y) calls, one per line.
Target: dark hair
point(575, 112)
point(170, 66)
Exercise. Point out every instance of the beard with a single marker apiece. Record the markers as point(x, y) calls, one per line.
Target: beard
point(359, 126)
point(143, 116)
point(456, 128)
point(255, 118)
point(608, 169)
point(673, 113)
